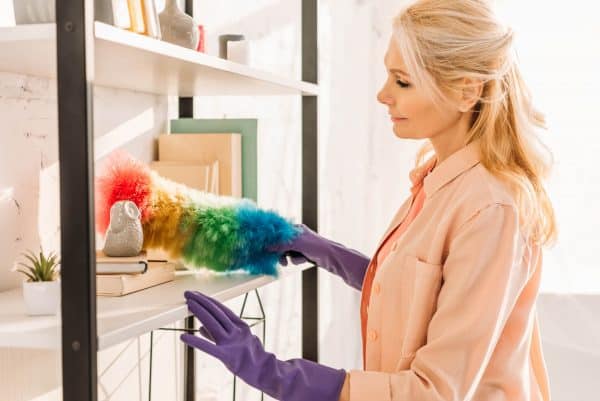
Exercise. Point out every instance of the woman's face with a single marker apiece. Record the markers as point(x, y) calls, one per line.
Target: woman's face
point(412, 113)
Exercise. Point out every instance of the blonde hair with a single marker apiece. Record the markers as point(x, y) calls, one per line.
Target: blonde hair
point(443, 41)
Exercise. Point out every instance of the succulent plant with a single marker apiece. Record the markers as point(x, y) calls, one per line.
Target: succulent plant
point(41, 268)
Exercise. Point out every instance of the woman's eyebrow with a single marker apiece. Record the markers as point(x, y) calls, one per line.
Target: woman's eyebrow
point(394, 70)
point(397, 70)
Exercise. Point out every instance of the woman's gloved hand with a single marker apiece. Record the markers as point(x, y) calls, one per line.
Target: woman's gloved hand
point(232, 342)
point(334, 257)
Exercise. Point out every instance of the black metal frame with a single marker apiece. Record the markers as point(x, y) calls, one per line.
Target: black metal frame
point(186, 110)
point(75, 63)
point(310, 187)
point(75, 75)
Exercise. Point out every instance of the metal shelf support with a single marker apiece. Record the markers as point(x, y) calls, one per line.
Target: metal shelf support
point(75, 75)
point(310, 194)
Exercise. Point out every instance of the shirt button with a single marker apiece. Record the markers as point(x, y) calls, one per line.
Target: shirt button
point(377, 288)
point(372, 335)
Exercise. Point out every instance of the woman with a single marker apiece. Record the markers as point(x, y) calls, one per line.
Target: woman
point(448, 299)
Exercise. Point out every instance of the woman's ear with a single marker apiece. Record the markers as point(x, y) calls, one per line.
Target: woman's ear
point(471, 93)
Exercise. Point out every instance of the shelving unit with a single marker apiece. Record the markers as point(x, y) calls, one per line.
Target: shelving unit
point(123, 318)
point(143, 64)
point(81, 54)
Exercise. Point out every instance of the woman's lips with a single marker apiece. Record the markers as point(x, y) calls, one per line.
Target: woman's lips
point(394, 119)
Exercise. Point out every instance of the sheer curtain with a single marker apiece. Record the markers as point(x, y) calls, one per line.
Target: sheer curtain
point(558, 49)
point(559, 52)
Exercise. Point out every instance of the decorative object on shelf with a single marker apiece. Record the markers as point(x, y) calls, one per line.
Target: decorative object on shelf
point(234, 48)
point(41, 289)
point(124, 236)
point(220, 233)
point(177, 27)
point(201, 36)
point(247, 127)
point(151, 19)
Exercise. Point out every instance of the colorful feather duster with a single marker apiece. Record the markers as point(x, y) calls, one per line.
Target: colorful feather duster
point(202, 229)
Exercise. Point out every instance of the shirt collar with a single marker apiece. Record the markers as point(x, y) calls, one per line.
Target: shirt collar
point(450, 168)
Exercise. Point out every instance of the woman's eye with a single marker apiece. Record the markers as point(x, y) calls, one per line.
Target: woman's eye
point(402, 84)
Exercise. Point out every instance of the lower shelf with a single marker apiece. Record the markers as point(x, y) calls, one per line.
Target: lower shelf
point(122, 318)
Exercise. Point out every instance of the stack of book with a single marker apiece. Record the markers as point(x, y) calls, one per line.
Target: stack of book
point(117, 276)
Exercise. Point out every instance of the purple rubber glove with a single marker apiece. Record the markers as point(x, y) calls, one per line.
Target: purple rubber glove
point(346, 263)
point(232, 342)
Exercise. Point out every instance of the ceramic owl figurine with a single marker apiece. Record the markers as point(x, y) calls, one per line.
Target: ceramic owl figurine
point(124, 236)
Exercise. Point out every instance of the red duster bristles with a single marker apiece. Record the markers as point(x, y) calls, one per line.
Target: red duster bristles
point(122, 178)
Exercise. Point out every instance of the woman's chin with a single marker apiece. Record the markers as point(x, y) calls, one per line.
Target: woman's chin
point(403, 134)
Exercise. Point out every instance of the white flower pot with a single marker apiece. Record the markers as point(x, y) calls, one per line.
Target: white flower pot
point(42, 297)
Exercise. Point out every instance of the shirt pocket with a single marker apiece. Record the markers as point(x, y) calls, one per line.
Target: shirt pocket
point(421, 282)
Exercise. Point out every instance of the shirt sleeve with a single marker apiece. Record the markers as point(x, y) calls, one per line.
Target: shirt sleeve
point(483, 276)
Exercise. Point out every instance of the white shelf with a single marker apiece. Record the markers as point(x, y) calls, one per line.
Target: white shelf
point(128, 60)
point(123, 318)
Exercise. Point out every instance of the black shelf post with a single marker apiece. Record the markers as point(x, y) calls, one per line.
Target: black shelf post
point(186, 110)
point(75, 63)
point(310, 195)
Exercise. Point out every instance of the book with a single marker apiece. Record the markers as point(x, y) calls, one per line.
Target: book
point(247, 127)
point(204, 177)
point(113, 12)
point(151, 19)
point(121, 268)
point(159, 255)
point(136, 16)
point(120, 265)
point(206, 149)
point(116, 285)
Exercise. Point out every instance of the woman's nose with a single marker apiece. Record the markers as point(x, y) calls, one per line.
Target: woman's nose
point(384, 97)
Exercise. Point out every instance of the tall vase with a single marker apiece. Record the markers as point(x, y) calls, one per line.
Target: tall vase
point(177, 27)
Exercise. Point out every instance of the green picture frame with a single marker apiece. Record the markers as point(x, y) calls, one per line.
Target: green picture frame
point(247, 127)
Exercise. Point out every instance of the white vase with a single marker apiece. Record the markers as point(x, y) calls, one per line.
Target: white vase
point(177, 27)
point(41, 297)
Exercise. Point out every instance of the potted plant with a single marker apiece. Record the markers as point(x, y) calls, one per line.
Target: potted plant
point(41, 288)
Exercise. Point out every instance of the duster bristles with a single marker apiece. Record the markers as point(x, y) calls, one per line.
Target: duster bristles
point(202, 229)
point(124, 178)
